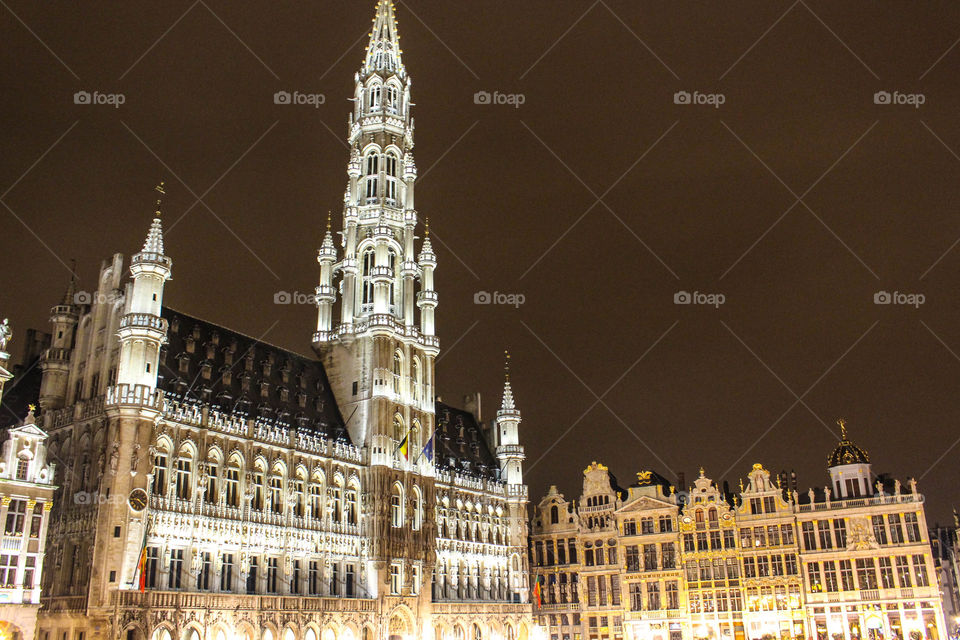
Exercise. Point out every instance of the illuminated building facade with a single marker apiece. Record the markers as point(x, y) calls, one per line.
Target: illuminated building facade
point(849, 561)
point(26, 497)
point(215, 487)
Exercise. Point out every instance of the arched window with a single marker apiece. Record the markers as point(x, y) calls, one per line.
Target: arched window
point(257, 497)
point(397, 371)
point(298, 495)
point(160, 471)
point(231, 481)
point(351, 505)
point(392, 99)
point(316, 493)
point(396, 507)
point(213, 476)
point(554, 515)
point(398, 428)
point(336, 504)
point(390, 163)
point(477, 633)
point(184, 471)
point(392, 292)
point(366, 285)
point(374, 93)
point(370, 181)
point(417, 509)
point(276, 491)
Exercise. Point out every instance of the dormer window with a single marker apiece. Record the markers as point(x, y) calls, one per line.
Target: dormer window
point(183, 363)
point(23, 466)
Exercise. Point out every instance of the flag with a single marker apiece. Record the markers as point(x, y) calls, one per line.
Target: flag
point(140, 577)
point(428, 449)
point(537, 592)
point(404, 446)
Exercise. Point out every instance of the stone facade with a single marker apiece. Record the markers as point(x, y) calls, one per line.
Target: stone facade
point(217, 488)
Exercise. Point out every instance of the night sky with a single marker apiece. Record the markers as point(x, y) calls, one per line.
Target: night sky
point(597, 199)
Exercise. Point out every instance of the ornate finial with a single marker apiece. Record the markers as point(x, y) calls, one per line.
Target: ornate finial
point(843, 428)
point(426, 226)
point(506, 365)
point(702, 472)
point(159, 189)
point(741, 485)
point(328, 219)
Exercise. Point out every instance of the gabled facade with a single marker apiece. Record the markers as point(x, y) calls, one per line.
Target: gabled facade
point(849, 561)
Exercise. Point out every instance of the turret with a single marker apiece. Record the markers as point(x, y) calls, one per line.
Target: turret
point(142, 329)
point(849, 467)
point(326, 294)
point(509, 452)
point(5, 335)
point(56, 361)
point(427, 298)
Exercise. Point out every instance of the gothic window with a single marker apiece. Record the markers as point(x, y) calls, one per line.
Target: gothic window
point(392, 292)
point(390, 171)
point(298, 496)
point(398, 428)
point(276, 491)
point(397, 371)
point(315, 498)
point(366, 295)
point(257, 499)
point(213, 472)
point(351, 506)
point(417, 509)
point(370, 181)
point(159, 473)
point(374, 97)
point(232, 485)
point(336, 495)
point(396, 507)
point(392, 99)
point(184, 468)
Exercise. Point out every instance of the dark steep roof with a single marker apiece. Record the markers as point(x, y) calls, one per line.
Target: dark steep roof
point(460, 444)
point(847, 453)
point(207, 364)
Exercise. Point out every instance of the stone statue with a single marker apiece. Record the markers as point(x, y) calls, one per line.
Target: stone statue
point(135, 459)
point(114, 458)
point(896, 487)
point(6, 334)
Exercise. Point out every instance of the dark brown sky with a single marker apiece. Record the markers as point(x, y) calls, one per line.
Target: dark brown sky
point(507, 188)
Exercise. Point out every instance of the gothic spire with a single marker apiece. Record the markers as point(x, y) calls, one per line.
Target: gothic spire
point(383, 52)
point(69, 296)
point(154, 241)
point(508, 403)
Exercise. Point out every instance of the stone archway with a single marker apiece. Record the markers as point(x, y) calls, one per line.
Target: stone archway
point(401, 627)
